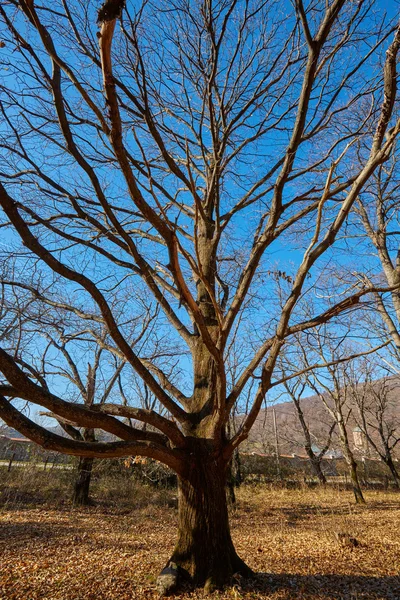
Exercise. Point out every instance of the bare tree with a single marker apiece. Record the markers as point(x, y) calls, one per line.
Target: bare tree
point(378, 211)
point(169, 154)
point(296, 391)
point(75, 360)
point(333, 387)
point(377, 416)
point(90, 391)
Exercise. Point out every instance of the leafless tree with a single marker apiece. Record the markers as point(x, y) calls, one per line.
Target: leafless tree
point(73, 359)
point(378, 211)
point(90, 390)
point(169, 152)
point(295, 390)
point(333, 386)
point(376, 403)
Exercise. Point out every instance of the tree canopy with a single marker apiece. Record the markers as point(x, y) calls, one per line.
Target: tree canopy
point(193, 166)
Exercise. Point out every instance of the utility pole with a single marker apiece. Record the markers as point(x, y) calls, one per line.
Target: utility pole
point(278, 463)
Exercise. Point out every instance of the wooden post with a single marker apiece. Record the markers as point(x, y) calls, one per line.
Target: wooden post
point(11, 462)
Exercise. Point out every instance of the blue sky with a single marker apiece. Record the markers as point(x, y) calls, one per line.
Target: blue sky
point(284, 255)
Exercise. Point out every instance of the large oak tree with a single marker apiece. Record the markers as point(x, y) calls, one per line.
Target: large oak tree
point(204, 156)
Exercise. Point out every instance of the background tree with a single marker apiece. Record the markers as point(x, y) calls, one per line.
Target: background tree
point(378, 212)
point(321, 361)
point(73, 359)
point(169, 155)
point(295, 390)
point(90, 391)
point(333, 386)
point(376, 413)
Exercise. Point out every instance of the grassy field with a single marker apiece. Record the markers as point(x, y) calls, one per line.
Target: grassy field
point(113, 551)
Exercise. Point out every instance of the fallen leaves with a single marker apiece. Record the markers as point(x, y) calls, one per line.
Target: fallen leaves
point(288, 537)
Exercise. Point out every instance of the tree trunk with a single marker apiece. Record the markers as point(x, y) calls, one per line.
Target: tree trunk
point(358, 495)
point(204, 552)
point(316, 467)
point(236, 463)
point(82, 483)
point(234, 478)
point(230, 485)
point(314, 460)
point(349, 458)
point(390, 464)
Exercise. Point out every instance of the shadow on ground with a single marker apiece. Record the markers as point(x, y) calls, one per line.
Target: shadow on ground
point(305, 511)
point(33, 530)
point(329, 587)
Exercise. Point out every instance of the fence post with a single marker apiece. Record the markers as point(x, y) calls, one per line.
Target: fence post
point(11, 462)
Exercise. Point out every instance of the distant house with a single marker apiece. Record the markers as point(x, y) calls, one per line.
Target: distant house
point(22, 449)
point(334, 454)
point(360, 441)
point(19, 447)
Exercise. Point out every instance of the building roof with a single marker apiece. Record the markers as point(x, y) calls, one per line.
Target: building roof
point(15, 439)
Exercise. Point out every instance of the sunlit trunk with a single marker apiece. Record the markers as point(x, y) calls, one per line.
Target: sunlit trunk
point(316, 467)
point(205, 552)
point(351, 463)
point(82, 483)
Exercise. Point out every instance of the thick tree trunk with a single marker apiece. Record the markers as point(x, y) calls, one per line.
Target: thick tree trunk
point(82, 483)
point(204, 552)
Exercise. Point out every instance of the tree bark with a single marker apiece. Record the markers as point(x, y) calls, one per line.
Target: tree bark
point(204, 552)
point(82, 483)
point(314, 460)
point(390, 464)
point(230, 485)
point(237, 471)
point(349, 458)
point(316, 467)
point(358, 495)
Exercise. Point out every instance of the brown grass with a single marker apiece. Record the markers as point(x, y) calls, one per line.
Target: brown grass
point(286, 536)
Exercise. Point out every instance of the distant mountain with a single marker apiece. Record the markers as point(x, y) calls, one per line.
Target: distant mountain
point(262, 438)
point(10, 432)
point(13, 433)
point(102, 436)
point(289, 434)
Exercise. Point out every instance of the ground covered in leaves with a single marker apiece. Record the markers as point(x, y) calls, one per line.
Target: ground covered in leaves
point(287, 536)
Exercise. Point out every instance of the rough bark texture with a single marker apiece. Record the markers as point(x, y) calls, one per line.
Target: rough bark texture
point(82, 483)
point(204, 551)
